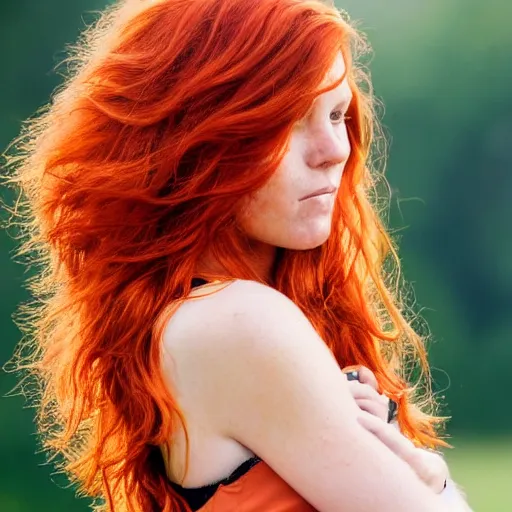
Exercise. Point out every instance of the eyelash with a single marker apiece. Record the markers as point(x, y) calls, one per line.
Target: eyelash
point(340, 121)
point(343, 117)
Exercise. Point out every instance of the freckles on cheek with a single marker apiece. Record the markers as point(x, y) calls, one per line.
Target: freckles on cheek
point(267, 198)
point(272, 203)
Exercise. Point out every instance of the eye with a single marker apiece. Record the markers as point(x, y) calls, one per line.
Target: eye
point(338, 116)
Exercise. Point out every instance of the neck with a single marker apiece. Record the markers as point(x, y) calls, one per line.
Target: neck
point(261, 258)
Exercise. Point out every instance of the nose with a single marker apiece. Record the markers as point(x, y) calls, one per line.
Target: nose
point(329, 147)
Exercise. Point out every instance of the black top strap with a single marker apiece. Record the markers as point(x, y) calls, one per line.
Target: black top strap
point(196, 497)
point(198, 281)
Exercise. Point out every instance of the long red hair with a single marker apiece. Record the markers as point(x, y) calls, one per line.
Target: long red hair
point(173, 112)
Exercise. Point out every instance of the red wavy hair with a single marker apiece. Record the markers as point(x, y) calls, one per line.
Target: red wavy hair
point(174, 111)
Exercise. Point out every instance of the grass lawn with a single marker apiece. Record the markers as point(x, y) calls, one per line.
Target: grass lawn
point(484, 469)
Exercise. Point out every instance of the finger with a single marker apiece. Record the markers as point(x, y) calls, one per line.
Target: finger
point(430, 469)
point(376, 409)
point(391, 437)
point(434, 469)
point(359, 390)
point(366, 376)
point(350, 368)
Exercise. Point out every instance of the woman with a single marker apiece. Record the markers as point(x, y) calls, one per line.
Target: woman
point(200, 192)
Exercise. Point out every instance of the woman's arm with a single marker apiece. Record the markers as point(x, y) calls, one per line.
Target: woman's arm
point(269, 382)
point(431, 466)
point(364, 389)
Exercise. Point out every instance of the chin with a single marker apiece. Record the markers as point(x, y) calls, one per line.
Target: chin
point(311, 241)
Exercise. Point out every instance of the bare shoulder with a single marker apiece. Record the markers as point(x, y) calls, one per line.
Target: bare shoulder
point(259, 374)
point(233, 316)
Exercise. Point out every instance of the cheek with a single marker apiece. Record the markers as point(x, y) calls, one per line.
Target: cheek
point(267, 210)
point(258, 205)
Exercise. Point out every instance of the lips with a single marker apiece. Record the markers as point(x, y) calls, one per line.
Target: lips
point(319, 192)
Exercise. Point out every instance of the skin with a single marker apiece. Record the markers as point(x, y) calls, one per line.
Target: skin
point(365, 393)
point(276, 215)
point(321, 424)
point(433, 468)
point(318, 151)
point(253, 377)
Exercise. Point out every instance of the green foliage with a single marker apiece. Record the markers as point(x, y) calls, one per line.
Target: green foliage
point(444, 73)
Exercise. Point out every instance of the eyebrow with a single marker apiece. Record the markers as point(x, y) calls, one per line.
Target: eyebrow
point(346, 100)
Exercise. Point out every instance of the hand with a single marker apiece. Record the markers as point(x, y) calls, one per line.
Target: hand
point(429, 466)
point(365, 392)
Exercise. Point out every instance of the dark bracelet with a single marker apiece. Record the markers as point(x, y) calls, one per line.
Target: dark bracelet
point(392, 410)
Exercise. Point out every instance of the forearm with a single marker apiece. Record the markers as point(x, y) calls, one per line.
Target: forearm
point(453, 496)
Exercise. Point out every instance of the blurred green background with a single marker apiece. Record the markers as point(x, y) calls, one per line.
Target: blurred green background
point(444, 72)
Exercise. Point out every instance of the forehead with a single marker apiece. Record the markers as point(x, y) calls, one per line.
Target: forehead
point(337, 72)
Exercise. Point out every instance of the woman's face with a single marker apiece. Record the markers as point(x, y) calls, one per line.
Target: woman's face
point(294, 208)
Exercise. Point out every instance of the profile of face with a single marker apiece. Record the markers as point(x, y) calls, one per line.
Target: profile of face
point(294, 209)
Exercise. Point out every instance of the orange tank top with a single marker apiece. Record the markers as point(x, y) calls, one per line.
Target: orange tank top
point(260, 489)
